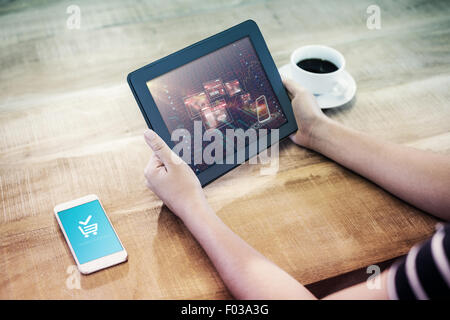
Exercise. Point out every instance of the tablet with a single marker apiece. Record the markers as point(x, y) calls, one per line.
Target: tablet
point(202, 99)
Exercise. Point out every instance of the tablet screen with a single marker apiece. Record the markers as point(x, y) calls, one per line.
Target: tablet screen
point(226, 89)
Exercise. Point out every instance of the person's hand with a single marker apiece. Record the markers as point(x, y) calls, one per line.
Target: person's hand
point(171, 179)
point(306, 111)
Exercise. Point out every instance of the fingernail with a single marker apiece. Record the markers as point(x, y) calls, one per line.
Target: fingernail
point(149, 134)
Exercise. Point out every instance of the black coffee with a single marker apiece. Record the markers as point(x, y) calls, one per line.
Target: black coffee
point(317, 65)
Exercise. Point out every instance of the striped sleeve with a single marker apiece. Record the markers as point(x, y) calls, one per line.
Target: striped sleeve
point(425, 272)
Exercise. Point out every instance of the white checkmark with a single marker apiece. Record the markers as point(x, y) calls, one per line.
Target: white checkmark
point(85, 222)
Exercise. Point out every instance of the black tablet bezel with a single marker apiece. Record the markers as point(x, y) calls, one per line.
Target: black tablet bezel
point(138, 79)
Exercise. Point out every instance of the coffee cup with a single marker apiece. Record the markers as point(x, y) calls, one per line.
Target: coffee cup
point(319, 69)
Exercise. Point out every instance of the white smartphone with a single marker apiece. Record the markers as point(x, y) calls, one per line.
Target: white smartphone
point(262, 109)
point(90, 235)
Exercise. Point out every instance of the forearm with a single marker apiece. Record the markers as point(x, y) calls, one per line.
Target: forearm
point(245, 272)
point(361, 291)
point(418, 177)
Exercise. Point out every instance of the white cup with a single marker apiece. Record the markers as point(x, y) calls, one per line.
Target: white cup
point(319, 83)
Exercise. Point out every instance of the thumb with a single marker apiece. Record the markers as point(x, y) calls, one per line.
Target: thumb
point(159, 147)
point(292, 87)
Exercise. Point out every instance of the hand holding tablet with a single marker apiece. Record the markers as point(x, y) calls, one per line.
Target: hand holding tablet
point(222, 85)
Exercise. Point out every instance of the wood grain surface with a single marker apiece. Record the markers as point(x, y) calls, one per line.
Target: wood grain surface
point(69, 126)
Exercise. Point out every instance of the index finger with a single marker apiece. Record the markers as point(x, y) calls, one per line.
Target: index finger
point(159, 147)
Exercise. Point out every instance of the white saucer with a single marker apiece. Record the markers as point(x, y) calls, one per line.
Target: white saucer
point(327, 101)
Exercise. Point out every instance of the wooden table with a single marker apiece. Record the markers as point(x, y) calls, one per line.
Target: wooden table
point(69, 126)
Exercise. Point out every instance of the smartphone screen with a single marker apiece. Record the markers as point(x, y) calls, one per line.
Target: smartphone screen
point(89, 231)
point(209, 118)
point(262, 109)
